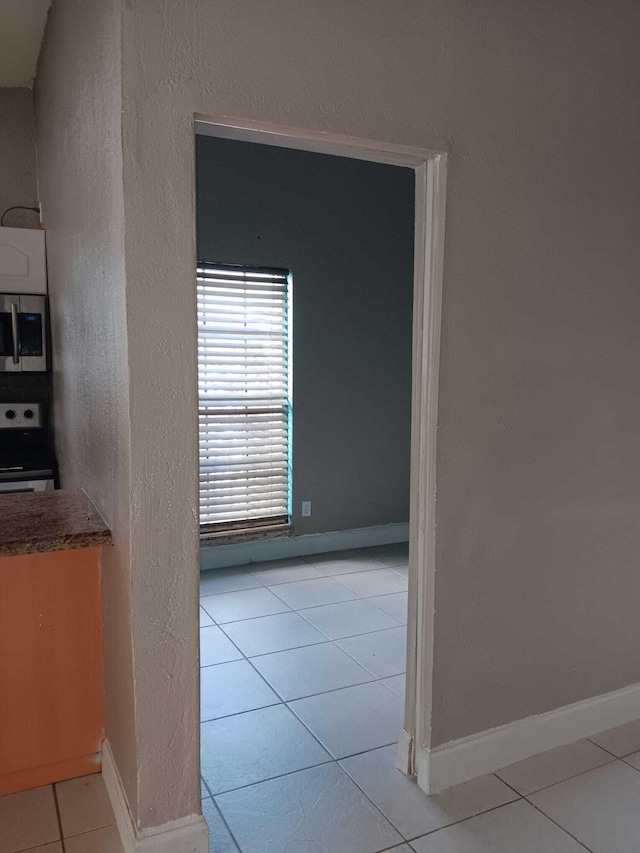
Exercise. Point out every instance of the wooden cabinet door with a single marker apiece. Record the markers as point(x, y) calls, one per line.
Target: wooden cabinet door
point(51, 667)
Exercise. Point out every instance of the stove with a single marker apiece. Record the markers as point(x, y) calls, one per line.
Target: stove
point(27, 464)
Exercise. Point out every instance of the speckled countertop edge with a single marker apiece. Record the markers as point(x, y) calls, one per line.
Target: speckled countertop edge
point(38, 522)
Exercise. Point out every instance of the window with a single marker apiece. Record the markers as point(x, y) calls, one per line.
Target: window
point(244, 388)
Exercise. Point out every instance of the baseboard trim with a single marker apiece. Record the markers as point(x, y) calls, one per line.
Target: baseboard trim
point(459, 761)
point(186, 835)
point(404, 754)
point(214, 556)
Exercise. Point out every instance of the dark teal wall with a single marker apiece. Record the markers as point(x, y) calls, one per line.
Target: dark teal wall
point(345, 228)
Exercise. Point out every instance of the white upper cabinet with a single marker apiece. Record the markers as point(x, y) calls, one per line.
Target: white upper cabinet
point(23, 266)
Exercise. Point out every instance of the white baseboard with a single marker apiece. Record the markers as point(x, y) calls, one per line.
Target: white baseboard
point(281, 547)
point(458, 761)
point(404, 754)
point(186, 835)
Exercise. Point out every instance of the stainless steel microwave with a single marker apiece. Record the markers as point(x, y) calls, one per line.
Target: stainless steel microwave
point(23, 333)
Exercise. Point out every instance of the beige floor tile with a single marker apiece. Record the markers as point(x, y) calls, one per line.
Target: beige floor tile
point(354, 719)
point(268, 634)
point(284, 571)
point(220, 839)
point(314, 811)
point(249, 748)
point(232, 688)
point(227, 580)
point(408, 808)
point(633, 760)
point(389, 555)
point(243, 604)
point(375, 583)
point(516, 828)
point(104, 840)
point(396, 684)
point(342, 562)
point(28, 819)
point(313, 593)
point(348, 619)
point(553, 766)
point(54, 847)
point(600, 808)
point(620, 741)
point(314, 669)
point(216, 647)
point(205, 619)
point(395, 605)
point(84, 805)
point(384, 653)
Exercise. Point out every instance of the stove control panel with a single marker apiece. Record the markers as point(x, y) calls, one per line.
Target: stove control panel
point(20, 415)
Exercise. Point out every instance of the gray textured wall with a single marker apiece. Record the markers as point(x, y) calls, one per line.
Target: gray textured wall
point(18, 180)
point(538, 480)
point(78, 110)
point(345, 229)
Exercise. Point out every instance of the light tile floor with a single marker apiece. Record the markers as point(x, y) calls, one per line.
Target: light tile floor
point(308, 763)
point(296, 761)
point(69, 817)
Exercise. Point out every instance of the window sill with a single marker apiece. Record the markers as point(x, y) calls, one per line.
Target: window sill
point(231, 537)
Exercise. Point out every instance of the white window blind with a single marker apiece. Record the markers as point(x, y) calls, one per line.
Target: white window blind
point(244, 396)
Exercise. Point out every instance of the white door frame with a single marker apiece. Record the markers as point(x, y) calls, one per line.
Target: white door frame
point(430, 185)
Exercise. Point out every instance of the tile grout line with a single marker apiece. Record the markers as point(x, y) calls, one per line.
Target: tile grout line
point(559, 825)
point(301, 610)
point(239, 650)
point(332, 760)
point(290, 710)
point(373, 680)
point(59, 817)
point(298, 610)
point(560, 781)
point(318, 643)
point(619, 757)
point(342, 770)
point(312, 695)
point(413, 838)
point(378, 677)
point(465, 819)
point(223, 819)
point(548, 817)
point(335, 643)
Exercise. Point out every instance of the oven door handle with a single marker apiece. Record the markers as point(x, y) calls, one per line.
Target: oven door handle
point(14, 333)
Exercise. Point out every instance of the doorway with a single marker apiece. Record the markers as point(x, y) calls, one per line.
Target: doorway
point(296, 596)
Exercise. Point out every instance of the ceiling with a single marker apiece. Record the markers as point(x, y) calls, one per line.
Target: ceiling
point(21, 29)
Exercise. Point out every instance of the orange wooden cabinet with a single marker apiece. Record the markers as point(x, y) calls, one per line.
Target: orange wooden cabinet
point(51, 667)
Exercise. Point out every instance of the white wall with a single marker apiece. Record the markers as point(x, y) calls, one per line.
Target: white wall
point(538, 473)
point(18, 184)
point(538, 488)
point(78, 106)
point(110, 341)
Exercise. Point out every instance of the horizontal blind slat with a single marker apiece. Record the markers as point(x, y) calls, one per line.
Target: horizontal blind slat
point(243, 382)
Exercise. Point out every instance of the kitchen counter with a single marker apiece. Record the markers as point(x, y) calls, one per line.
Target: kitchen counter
point(51, 658)
point(38, 522)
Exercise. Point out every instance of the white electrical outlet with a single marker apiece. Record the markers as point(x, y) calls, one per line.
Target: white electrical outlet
point(306, 509)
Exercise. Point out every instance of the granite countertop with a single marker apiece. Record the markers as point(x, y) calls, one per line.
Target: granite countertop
point(34, 522)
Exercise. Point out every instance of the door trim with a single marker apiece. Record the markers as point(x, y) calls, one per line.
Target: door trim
point(430, 166)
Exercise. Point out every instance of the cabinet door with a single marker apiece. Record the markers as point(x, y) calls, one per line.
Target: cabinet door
point(51, 683)
point(22, 261)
